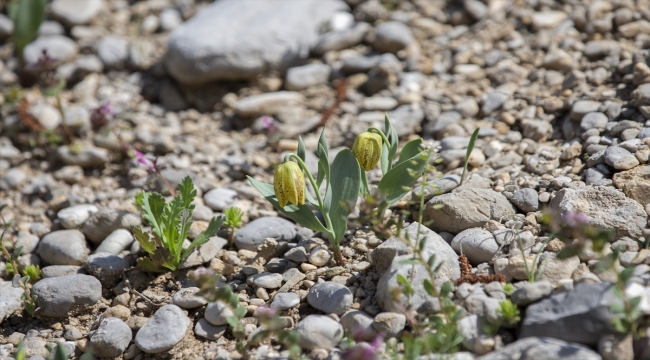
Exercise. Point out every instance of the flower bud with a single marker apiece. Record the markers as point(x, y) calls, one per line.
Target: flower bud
point(367, 150)
point(289, 184)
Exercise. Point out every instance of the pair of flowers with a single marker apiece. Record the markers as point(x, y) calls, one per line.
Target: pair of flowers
point(289, 181)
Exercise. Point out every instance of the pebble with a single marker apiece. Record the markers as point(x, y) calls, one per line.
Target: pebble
point(12, 178)
point(170, 19)
point(285, 301)
point(72, 217)
point(297, 255)
point(532, 292)
point(208, 331)
point(118, 241)
point(73, 12)
point(163, 330)
point(267, 280)
point(87, 157)
point(526, 200)
point(187, 298)
point(104, 222)
point(220, 198)
point(204, 253)
point(61, 270)
point(59, 295)
point(108, 268)
point(59, 47)
point(113, 51)
point(63, 247)
point(111, 338)
point(341, 39)
point(477, 244)
point(392, 36)
point(319, 332)
point(217, 312)
point(253, 234)
point(620, 159)
point(10, 299)
point(319, 257)
point(330, 298)
point(389, 324)
point(46, 115)
point(302, 77)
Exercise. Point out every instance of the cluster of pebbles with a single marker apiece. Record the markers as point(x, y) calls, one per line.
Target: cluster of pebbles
point(559, 90)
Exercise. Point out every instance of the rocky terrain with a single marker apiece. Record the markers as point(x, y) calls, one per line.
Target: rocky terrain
point(219, 91)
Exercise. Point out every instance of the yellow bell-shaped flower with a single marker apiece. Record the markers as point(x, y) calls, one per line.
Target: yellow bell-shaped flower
point(367, 149)
point(289, 184)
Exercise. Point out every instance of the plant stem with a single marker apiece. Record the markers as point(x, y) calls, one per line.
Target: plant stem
point(64, 123)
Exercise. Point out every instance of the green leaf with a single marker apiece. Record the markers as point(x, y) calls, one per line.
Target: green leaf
point(27, 16)
point(240, 311)
point(232, 321)
point(383, 159)
point(153, 205)
point(393, 184)
point(15, 282)
point(148, 265)
point(411, 149)
point(345, 182)
point(59, 353)
point(322, 141)
point(16, 253)
point(302, 153)
point(146, 242)
point(391, 134)
point(187, 192)
point(184, 223)
point(20, 353)
point(634, 302)
point(203, 237)
point(626, 274)
point(470, 148)
point(446, 288)
point(299, 213)
point(428, 287)
point(323, 166)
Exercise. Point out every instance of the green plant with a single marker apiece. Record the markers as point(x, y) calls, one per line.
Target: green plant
point(34, 273)
point(470, 148)
point(170, 225)
point(27, 16)
point(509, 312)
point(234, 221)
point(508, 288)
point(343, 181)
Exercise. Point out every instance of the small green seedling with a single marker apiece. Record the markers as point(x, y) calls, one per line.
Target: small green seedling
point(509, 312)
point(234, 221)
point(170, 225)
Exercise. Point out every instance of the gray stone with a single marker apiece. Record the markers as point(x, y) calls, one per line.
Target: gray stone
point(583, 107)
point(72, 217)
point(606, 208)
point(547, 19)
point(466, 209)
point(342, 39)
point(285, 301)
point(641, 95)
point(10, 300)
point(27, 241)
point(580, 315)
point(277, 265)
point(594, 120)
point(620, 159)
point(256, 37)
point(75, 12)
point(46, 115)
point(111, 338)
point(253, 234)
point(59, 295)
point(220, 198)
point(267, 103)
point(58, 47)
point(102, 223)
point(406, 119)
point(187, 298)
point(359, 64)
point(63, 247)
point(358, 323)
point(88, 156)
point(208, 331)
point(526, 200)
point(302, 77)
point(392, 36)
point(532, 292)
point(435, 187)
point(267, 280)
point(204, 253)
point(297, 255)
point(319, 332)
point(118, 241)
point(113, 51)
point(389, 324)
point(163, 330)
point(330, 298)
point(170, 19)
point(106, 267)
point(556, 269)
point(7, 26)
point(217, 312)
point(61, 270)
point(598, 49)
point(12, 178)
point(534, 348)
point(477, 244)
point(496, 99)
point(376, 103)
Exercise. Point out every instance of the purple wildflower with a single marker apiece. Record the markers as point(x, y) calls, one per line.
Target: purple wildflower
point(267, 122)
point(575, 219)
point(101, 115)
point(265, 312)
point(365, 351)
point(152, 166)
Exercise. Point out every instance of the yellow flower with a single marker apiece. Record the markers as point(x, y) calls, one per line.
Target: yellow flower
point(289, 184)
point(367, 150)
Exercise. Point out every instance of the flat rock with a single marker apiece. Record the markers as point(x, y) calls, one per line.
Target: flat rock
point(285, 301)
point(208, 331)
point(253, 234)
point(220, 198)
point(526, 200)
point(466, 209)
point(635, 183)
point(102, 223)
point(532, 292)
point(59, 295)
point(392, 36)
point(72, 217)
point(319, 332)
point(580, 315)
point(606, 208)
point(302, 77)
point(217, 312)
point(74, 12)
point(111, 338)
point(477, 244)
point(163, 330)
point(267, 103)
point(59, 47)
point(341, 39)
point(204, 253)
point(63, 247)
point(254, 38)
point(116, 242)
point(533, 348)
point(9, 299)
point(106, 267)
point(61, 270)
point(330, 298)
point(187, 298)
point(87, 157)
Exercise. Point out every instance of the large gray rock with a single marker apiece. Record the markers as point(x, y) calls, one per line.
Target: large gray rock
point(63, 247)
point(102, 223)
point(232, 39)
point(466, 209)
point(106, 267)
point(163, 331)
point(111, 338)
point(581, 315)
point(542, 348)
point(319, 332)
point(606, 208)
point(255, 232)
point(58, 295)
point(479, 245)
point(330, 298)
point(416, 274)
point(9, 299)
